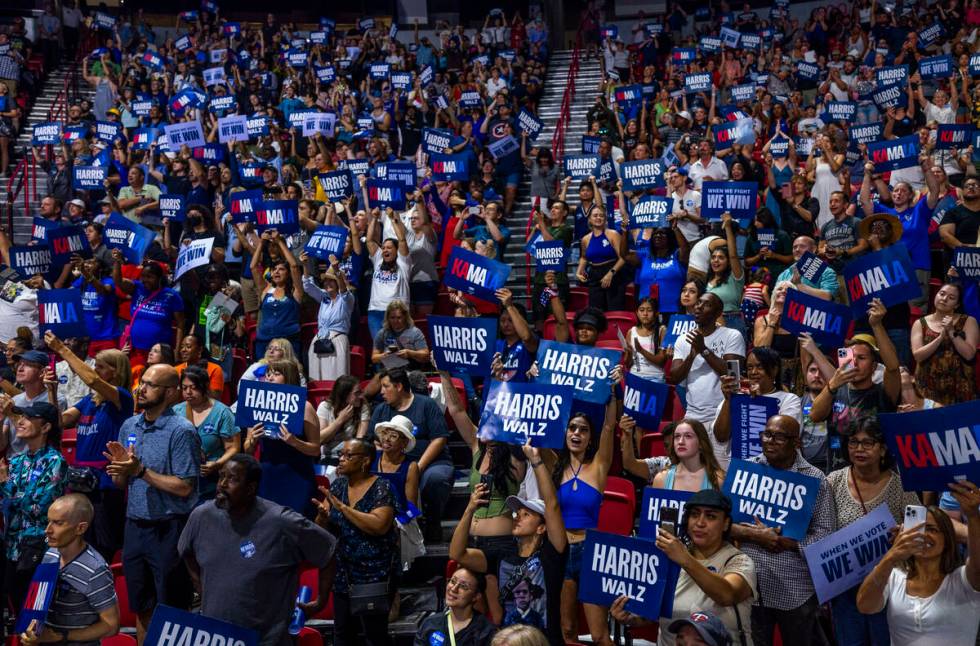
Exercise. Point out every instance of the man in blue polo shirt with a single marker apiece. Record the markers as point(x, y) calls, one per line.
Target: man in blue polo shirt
point(158, 460)
point(914, 215)
point(828, 285)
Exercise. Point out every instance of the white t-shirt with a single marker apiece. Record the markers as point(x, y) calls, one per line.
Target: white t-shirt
point(691, 202)
point(18, 308)
point(387, 286)
point(702, 383)
point(716, 169)
point(701, 254)
point(422, 252)
point(949, 617)
point(789, 404)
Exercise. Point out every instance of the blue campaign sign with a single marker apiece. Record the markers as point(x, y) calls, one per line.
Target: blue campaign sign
point(269, 404)
point(39, 596)
point(470, 99)
point(258, 126)
point(840, 561)
point(887, 274)
point(678, 326)
point(516, 411)
point(581, 166)
point(281, 215)
point(244, 205)
point(889, 96)
point(742, 93)
point(60, 310)
point(174, 205)
point(449, 168)
point(337, 185)
point(779, 147)
point(808, 71)
point(67, 241)
point(503, 147)
point(614, 565)
point(778, 498)
point(827, 321)
point(127, 236)
point(46, 133)
point(710, 44)
point(405, 173)
point(936, 67)
point(643, 174)
point(30, 260)
point(463, 345)
point(929, 35)
point(893, 154)
point(737, 198)
point(438, 140)
point(142, 138)
point(211, 154)
point(88, 178)
point(699, 82)
point(628, 95)
point(476, 275)
point(185, 133)
point(529, 123)
point(587, 370)
point(656, 499)
point(953, 135)
point(72, 133)
point(935, 447)
point(171, 626)
point(327, 240)
point(550, 255)
point(683, 55)
point(384, 193)
point(740, 131)
point(357, 167)
point(651, 212)
point(748, 419)
point(107, 131)
point(841, 110)
point(41, 226)
point(590, 144)
point(766, 237)
point(966, 260)
point(401, 80)
point(643, 400)
point(867, 132)
point(811, 267)
point(893, 74)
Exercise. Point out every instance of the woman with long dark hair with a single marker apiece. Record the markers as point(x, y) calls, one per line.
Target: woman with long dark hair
point(343, 415)
point(280, 296)
point(922, 584)
point(944, 345)
point(726, 278)
point(600, 263)
point(866, 483)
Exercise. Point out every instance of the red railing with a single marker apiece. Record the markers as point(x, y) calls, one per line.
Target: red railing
point(557, 143)
point(23, 178)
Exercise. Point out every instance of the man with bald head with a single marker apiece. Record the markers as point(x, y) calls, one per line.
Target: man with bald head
point(157, 460)
point(786, 594)
point(825, 288)
point(84, 608)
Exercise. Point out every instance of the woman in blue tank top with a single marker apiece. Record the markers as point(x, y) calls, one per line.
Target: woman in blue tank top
point(580, 474)
point(601, 262)
point(281, 294)
point(695, 465)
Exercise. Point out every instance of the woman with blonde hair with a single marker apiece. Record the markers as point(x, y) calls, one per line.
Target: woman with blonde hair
point(279, 349)
point(519, 635)
point(399, 343)
point(98, 418)
point(695, 466)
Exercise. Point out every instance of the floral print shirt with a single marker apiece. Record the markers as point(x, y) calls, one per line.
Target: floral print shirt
point(34, 482)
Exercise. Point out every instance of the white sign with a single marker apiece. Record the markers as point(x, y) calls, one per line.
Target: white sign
point(194, 254)
point(185, 133)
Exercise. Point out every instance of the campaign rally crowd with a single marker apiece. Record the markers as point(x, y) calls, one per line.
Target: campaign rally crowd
point(262, 330)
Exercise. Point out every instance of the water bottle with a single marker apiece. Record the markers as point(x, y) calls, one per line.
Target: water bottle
point(299, 617)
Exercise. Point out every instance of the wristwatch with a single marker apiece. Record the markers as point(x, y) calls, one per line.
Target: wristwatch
point(705, 353)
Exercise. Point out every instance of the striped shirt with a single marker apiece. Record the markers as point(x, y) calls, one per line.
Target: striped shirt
point(85, 588)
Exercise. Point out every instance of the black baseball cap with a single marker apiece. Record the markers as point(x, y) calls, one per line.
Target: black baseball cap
point(33, 356)
point(43, 410)
point(710, 498)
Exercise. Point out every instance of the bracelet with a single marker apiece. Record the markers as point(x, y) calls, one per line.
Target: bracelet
point(535, 465)
point(142, 471)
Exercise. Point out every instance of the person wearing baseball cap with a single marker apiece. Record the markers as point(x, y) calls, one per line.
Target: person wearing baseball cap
point(30, 371)
point(716, 577)
point(530, 583)
point(700, 628)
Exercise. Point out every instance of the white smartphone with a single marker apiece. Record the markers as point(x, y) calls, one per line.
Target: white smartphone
point(914, 515)
point(734, 369)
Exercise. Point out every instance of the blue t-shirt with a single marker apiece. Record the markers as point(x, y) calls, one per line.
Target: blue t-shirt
point(668, 273)
point(98, 310)
point(153, 322)
point(98, 424)
point(517, 359)
point(915, 230)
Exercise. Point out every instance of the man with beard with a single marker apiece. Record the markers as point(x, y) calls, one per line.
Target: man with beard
point(244, 554)
point(157, 460)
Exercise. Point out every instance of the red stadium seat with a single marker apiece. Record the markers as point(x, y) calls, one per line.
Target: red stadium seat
point(630, 293)
point(317, 391)
point(578, 299)
point(652, 445)
point(358, 362)
point(310, 577)
point(616, 513)
point(68, 445)
point(621, 319)
point(309, 637)
point(609, 344)
point(673, 410)
point(307, 332)
point(549, 325)
point(119, 639)
point(127, 618)
point(623, 486)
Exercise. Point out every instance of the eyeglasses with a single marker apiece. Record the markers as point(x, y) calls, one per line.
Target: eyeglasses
point(347, 455)
point(461, 585)
point(150, 384)
point(776, 438)
point(853, 443)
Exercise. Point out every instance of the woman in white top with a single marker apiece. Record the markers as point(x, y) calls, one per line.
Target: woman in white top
point(762, 370)
point(421, 239)
point(343, 415)
point(392, 269)
point(929, 595)
point(644, 357)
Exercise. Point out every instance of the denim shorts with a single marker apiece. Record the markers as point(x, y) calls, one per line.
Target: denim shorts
point(573, 565)
point(512, 180)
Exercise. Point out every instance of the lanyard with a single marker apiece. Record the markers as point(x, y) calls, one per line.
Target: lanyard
point(452, 632)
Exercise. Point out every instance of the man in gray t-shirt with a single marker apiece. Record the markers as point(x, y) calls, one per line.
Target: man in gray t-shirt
point(244, 554)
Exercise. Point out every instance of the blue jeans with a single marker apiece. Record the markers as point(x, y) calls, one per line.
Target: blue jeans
point(434, 489)
point(855, 629)
point(376, 321)
point(902, 340)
